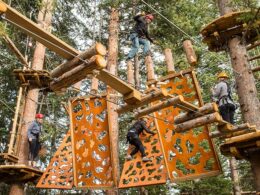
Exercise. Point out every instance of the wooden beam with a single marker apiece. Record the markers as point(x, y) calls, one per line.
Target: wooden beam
point(152, 96)
point(32, 29)
point(252, 46)
point(225, 135)
point(190, 53)
point(244, 138)
point(131, 95)
point(78, 73)
point(254, 58)
point(16, 51)
point(167, 103)
point(197, 122)
point(169, 60)
point(256, 69)
point(96, 49)
point(184, 105)
point(206, 109)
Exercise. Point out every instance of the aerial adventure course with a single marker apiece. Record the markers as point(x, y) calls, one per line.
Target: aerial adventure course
point(168, 134)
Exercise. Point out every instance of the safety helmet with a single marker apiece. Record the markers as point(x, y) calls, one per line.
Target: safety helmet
point(149, 16)
point(39, 116)
point(222, 75)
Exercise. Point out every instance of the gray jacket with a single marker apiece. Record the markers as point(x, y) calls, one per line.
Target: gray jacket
point(34, 130)
point(220, 94)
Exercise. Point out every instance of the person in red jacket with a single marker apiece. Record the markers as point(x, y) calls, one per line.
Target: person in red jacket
point(140, 36)
point(133, 138)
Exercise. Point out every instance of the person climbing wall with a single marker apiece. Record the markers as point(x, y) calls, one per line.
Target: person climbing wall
point(140, 36)
point(33, 134)
point(133, 138)
point(222, 96)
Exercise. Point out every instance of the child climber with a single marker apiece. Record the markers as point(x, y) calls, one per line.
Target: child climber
point(140, 36)
point(133, 138)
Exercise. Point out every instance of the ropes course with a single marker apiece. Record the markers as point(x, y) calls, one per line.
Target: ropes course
point(182, 147)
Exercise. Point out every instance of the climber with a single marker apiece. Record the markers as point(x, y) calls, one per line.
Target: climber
point(33, 134)
point(222, 96)
point(139, 35)
point(133, 138)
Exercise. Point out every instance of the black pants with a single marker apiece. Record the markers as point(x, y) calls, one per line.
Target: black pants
point(134, 139)
point(227, 112)
point(34, 148)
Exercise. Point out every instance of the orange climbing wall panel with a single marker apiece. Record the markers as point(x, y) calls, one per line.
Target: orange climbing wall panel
point(59, 173)
point(91, 143)
point(190, 154)
point(137, 173)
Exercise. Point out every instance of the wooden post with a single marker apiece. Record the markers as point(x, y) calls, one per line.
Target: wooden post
point(234, 175)
point(97, 49)
point(190, 53)
point(44, 19)
point(94, 85)
point(169, 60)
point(112, 114)
point(130, 73)
point(246, 89)
point(149, 68)
point(136, 72)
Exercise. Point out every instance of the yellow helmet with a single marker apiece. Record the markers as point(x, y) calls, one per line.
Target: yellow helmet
point(222, 75)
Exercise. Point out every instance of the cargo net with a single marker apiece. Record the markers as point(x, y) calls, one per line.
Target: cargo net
point(59, 173)
point(189, 154)
point(91, 143)
point(137, 173)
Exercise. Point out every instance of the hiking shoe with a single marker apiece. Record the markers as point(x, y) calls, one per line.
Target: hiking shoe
point(128, 157)
point(145, 159)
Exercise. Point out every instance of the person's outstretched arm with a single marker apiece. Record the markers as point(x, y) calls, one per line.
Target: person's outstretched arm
point(146, 128)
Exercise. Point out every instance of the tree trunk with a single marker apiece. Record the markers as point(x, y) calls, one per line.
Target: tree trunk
point(44, 19)
point(246, 89)
point(234, 176)
point(113, 116)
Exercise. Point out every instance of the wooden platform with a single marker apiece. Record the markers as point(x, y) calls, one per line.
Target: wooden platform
point(217, 33)
point(239, 146)
point(8, 158)
point(18, 173)
point(34, 78)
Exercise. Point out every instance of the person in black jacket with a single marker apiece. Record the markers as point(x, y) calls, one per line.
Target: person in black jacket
point(140, 36)
point(33, 134)
point(133, 138)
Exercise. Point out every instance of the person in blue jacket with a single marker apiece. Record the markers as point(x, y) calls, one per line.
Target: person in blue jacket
point(140, 36)
point(33, 134)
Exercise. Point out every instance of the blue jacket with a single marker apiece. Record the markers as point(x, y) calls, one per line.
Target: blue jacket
point(34, 130)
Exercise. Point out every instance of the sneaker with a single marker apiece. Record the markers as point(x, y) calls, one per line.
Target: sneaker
point(145, 159)
point(128, 157)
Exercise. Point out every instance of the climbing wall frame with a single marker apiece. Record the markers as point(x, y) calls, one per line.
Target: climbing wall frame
point(91, 143)
point(59, 173)
point(137, 173)
point(190, 154)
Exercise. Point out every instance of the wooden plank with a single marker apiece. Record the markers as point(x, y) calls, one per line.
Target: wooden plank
point(244, 138)
point(131, 94)
point(32, 29)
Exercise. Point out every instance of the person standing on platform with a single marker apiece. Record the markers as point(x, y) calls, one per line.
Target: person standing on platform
point(33, 134)
point(222, 96)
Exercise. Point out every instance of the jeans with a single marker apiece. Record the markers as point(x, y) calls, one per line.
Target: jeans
point(136, 42)
point(34, 148)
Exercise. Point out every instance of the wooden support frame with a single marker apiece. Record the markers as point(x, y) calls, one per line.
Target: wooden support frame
point(170, 102)
point(152, 96)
